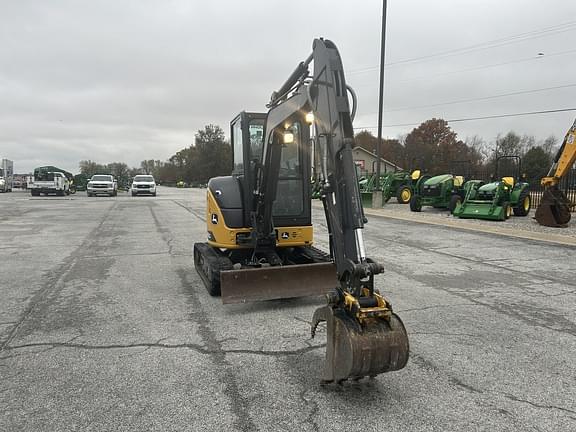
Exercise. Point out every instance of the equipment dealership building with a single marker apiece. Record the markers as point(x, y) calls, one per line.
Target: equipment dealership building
point(366, 161)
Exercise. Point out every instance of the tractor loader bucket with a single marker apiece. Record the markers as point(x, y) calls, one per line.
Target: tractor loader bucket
point(554, 209)
point(480, 210)
point(355, 350)
point(278, 282)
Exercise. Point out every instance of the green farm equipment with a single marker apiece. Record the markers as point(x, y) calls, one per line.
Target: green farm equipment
point(496, 200)
point(401, 185)
point(80, 181)
point(398, 183)
point(443, 191)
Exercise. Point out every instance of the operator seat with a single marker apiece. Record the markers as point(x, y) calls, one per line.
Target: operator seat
point(508, 181)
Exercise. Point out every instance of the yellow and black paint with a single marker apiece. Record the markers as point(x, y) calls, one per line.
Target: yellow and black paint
point(222, 236)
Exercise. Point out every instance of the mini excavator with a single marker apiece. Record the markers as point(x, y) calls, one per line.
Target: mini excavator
point(260, 227)
point(554, 208)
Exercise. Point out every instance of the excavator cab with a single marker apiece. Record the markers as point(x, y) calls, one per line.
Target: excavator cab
point(292, 204)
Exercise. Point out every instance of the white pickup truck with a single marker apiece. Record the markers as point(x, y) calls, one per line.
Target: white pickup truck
point(102, 184)
point(143, 184)
point(49, 183)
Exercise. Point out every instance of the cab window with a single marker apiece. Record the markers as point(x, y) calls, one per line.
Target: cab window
point(290, 189)
point(237, 150)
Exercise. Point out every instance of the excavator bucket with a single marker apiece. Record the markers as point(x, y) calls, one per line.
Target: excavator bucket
point(554, 209)
point(355, 350)
point(279, 282)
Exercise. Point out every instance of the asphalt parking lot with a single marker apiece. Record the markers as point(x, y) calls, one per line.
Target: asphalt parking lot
point(104, 325)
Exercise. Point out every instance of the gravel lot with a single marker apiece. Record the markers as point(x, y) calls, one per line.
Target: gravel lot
point(105, 326)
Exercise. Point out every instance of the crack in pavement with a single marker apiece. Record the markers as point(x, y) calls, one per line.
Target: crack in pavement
point(124, 255)
point(434, 307)
point(536, 405)
point(225, 371)
point(189, 210)
point(407, 243)
point(54, 282)
point(444, 334)
point(194, 347)
point(535, 317)
point(419, 360)
point(163, 231)
point(313, 412)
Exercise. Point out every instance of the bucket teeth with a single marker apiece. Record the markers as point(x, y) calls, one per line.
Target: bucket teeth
point(355, 350)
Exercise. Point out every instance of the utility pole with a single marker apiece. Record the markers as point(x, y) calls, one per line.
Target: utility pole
point(377, 195)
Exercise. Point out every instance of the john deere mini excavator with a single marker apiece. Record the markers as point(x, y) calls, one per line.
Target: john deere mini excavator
point(259, 220)
point(554, 208)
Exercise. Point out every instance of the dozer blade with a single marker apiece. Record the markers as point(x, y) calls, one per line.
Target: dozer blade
point(278, 282)
point(554, 209)
point(355, 350)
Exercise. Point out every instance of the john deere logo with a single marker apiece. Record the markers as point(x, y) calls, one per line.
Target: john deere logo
point(214, 218)
point(285, 235)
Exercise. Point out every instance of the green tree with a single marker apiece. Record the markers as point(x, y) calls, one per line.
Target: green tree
point(168, 174)
point(151, 166)
point(536, 163)
point(214, 155)
point(118, 169)
point(89, 168)
point(366, 140)
point(434, 146)
point(390, 149)
point(550, 145)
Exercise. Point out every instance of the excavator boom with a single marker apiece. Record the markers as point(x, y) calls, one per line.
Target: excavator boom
point(364, 336)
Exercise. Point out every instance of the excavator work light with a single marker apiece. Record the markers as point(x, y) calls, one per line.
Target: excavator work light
point(288, 137)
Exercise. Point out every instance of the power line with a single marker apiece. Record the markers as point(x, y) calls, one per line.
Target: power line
point(479, 98)
point(561, 28)
point(475, 68)
point(481, 118)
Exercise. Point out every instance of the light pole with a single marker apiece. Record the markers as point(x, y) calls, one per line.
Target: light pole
point(377, 197)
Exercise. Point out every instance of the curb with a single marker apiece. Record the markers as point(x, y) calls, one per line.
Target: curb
point(526, 235)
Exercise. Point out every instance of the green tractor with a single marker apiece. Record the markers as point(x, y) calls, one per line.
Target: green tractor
point(498, 199)
point(80, 181)
point(443, 191)
point(398, 183)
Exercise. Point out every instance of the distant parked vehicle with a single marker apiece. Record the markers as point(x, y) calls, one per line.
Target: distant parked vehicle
point(6, 175)
point(81, 182)
point(102, 184)
point(143, 184)
point(50, 180)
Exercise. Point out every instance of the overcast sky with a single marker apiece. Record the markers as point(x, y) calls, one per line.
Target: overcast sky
point(131, 80)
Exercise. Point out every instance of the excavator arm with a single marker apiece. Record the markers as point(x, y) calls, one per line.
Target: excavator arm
point(364, 336)
point(564, 159)
point(554, 208)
